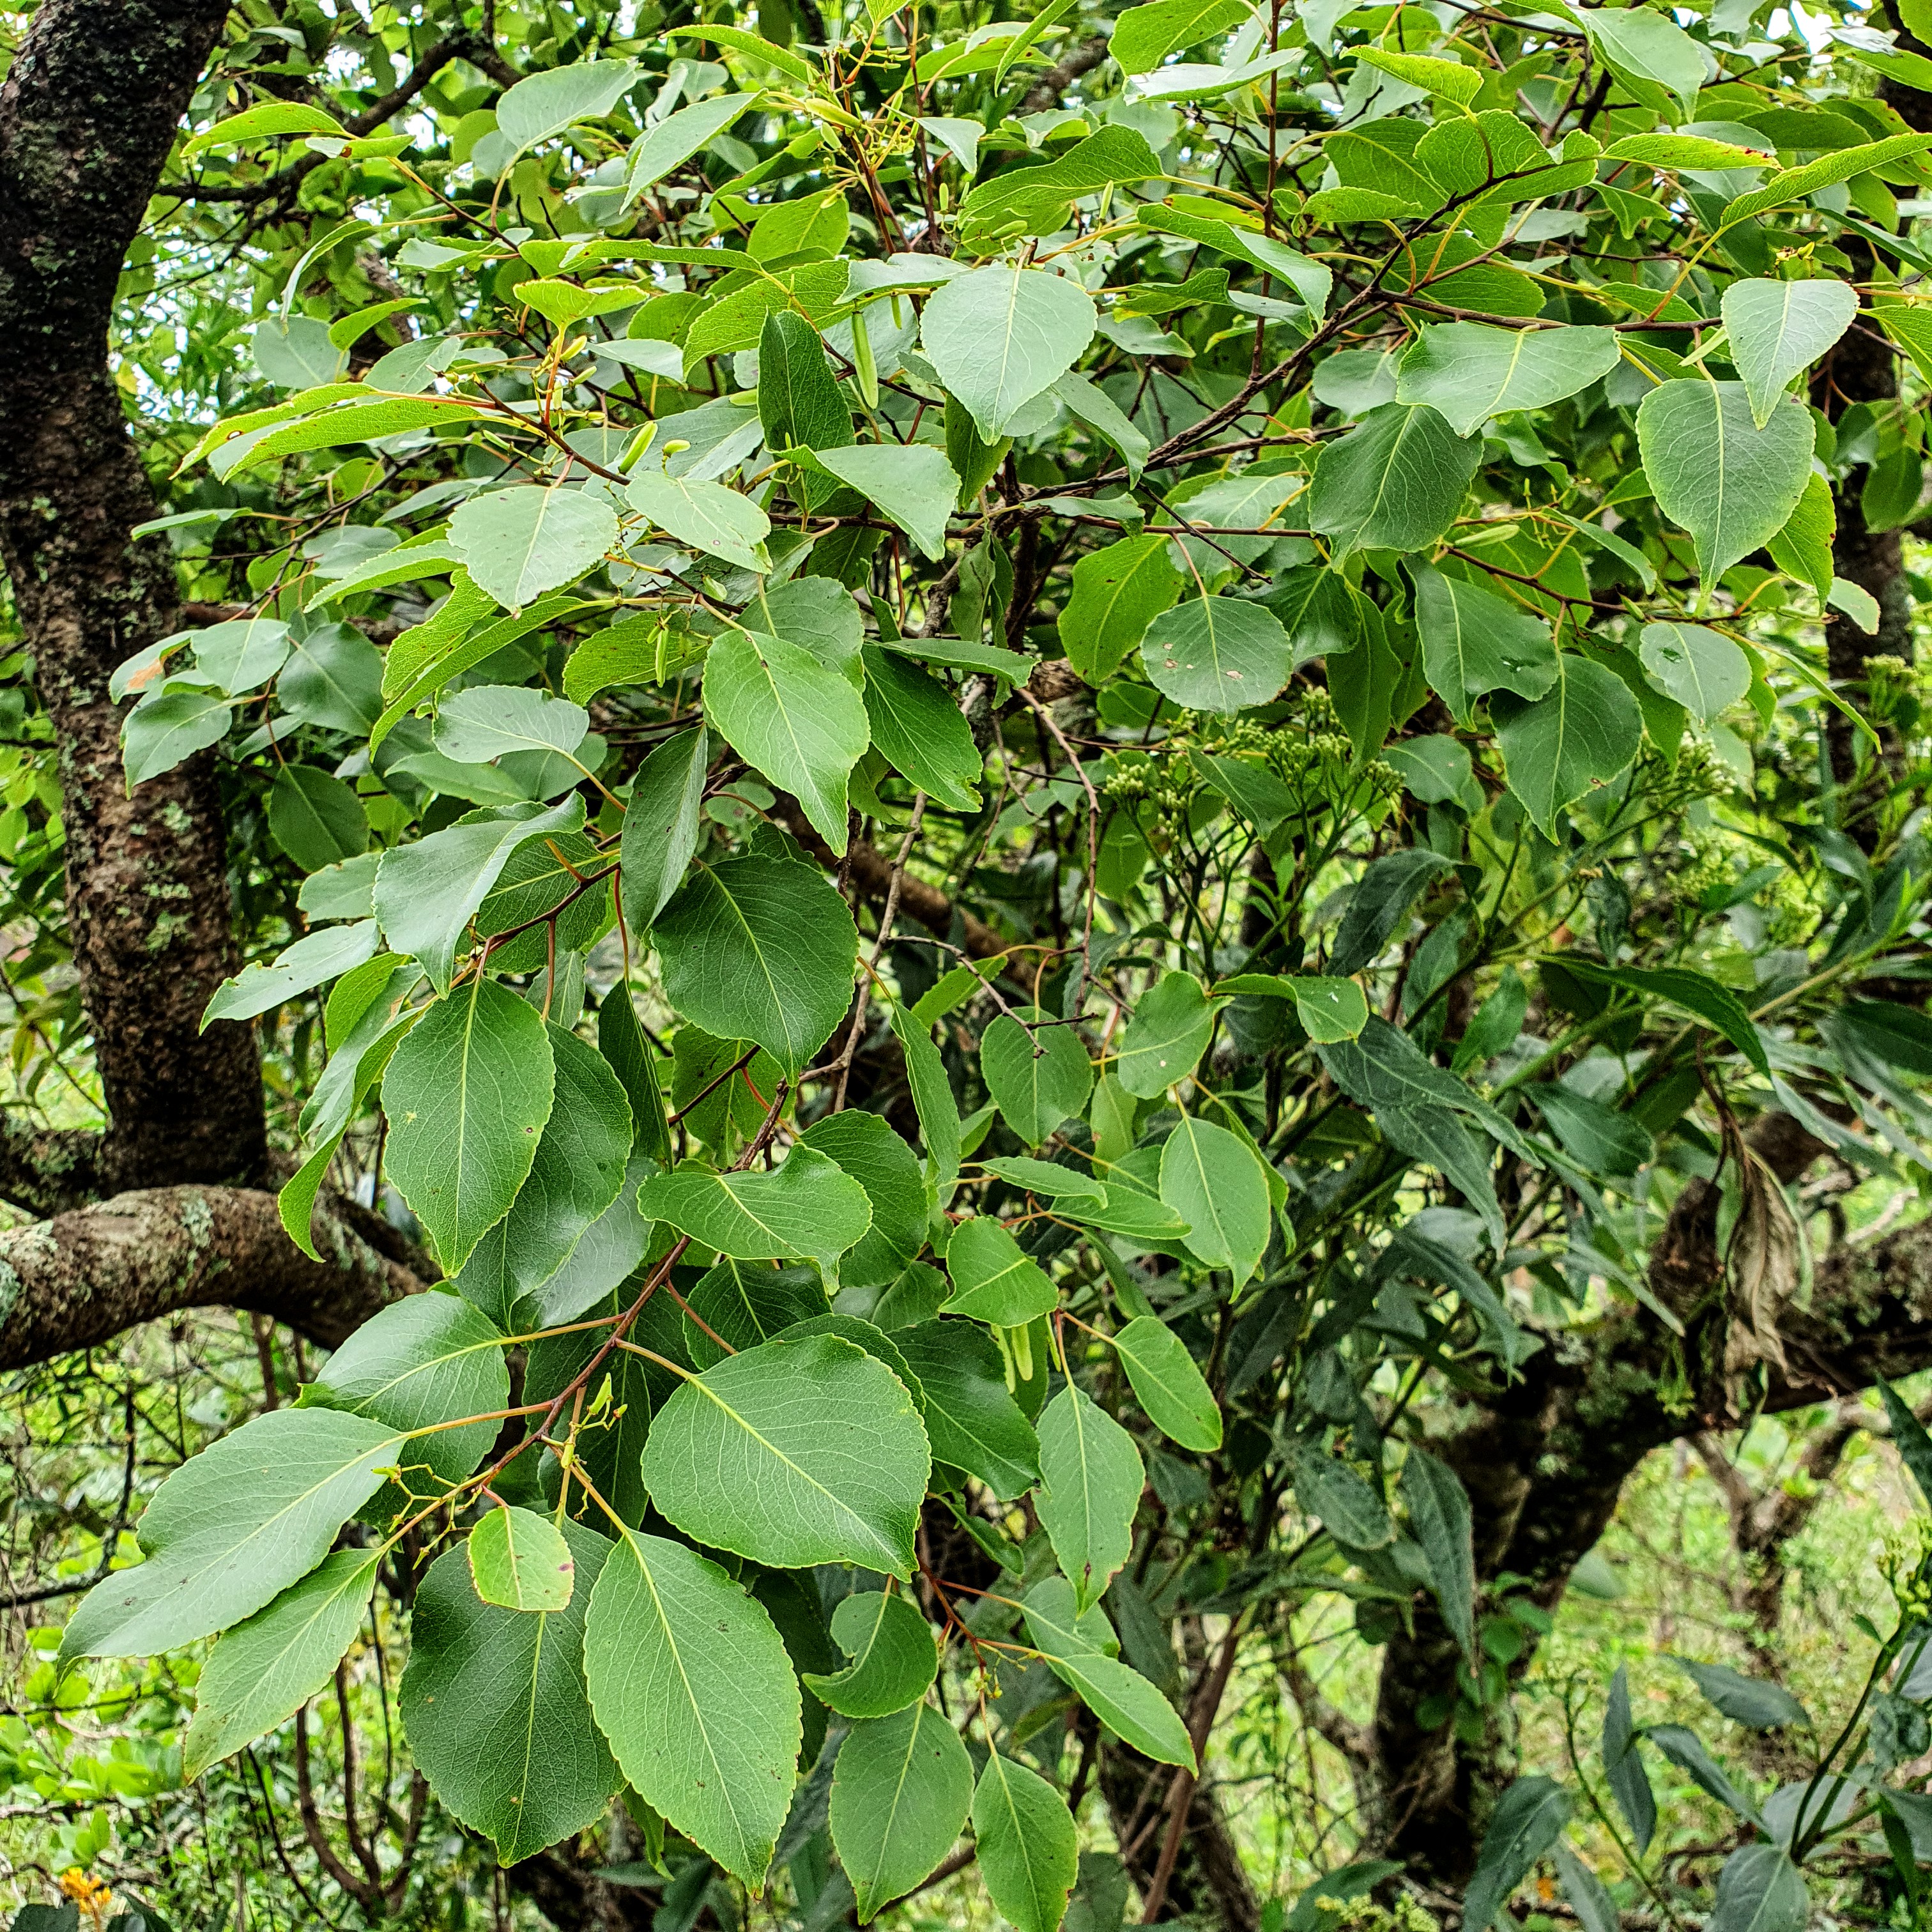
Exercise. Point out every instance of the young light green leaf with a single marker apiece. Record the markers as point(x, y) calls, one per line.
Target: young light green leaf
point(1091, 1480)
point(1120, 1696)
point(520, 542)
point(971, 1418)
point(1470, 371)
point(894, 1658)
point(794, 717)
point(1029, 1850)
point(232, 1528)
point(1776, 328)
point(264, 1670)
point(1474, 641)
point(999, 337)
point(678, 137)
point(1395, 481)
point(793, 1453)
point(310, 962)
point(1732, 484)
point(1212, 1179)
point(520, 1560)
point(692, 1685)
point(493, 1702)
point(544, 104)
point(1219, 654)
point(1144, 36)
point(910, 483)
point(760, 949)
point(1169, 1385)
point(901, 1789)
point(721, 522)
point(1697, 667)
point(1581, 734)
point(1037, 1072)
point(466, 1094)
point(993, 1281)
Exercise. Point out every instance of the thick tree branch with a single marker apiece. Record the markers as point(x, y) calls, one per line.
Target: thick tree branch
point(79, 1279)
point(48, 1170)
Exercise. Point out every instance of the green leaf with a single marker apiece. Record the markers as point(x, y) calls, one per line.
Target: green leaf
point(1697, 993)
point(1037, 1078)
point(1212, 1179)
point(799, 402)
point(1439, 1512)
point(1685, 1749)
point(232, 1528)
point(1755, 1702)
point(999, 337)
point(541, 105)
point(466, 1093)
point(1036, 201)
point(264, 1670)
point(971, 1418)
point(580, 1159)
point(1047, 1178)
point(1795, 183)
point(1909, 1436)
point(869, 1149)
point(1595, 1910)
point(818, 614)
point(1169, 1385)
point(1469, 371)
point(760, 949)
point(1697, 667)
point(793, 1453)
point(1759, 1890)
point(168, 727)
point(894, 1658)
point(1167, 1035)
point(692, 1685)
point(932, 1096)
point(661, 826)
point(520, 542)
point(806, 1210)
point(1099, 411)
point(1649, 47)
point(678, 137)
point(797, 720)
point(901, 1789)
point(315, 818)
point(1776, 328)
point(520, 1560)
point(1219, 654)
point(1581, 734)
point(269, 118)
point(1117, 592)
point(1716, 473)
point(1330, 1009)
point(334, 679)
point(1598, 1138)
point(620, 1039)
point(493, 1703)
point(1529, 1818)
point(1120, 1696)
point(1029, 1850)
point(918, 730)
point(1623, 1768)
point(720, 522)
point(427, 892)
point(424, 1361)
point(993, 1281)
point(495, 721)
point(1474, 641)
point(743, 1303)
point(310, 962)
point(1090, 1480)
point(1396, 482)
point(1344, 1504)
point(912, 484)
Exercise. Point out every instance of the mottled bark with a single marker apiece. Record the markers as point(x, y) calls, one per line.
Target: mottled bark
point(87, 117)
point(80, 1279)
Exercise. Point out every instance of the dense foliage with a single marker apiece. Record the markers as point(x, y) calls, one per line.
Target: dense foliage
point(1023, 806)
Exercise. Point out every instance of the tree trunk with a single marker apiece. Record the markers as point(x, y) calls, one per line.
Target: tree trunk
point(88, 115)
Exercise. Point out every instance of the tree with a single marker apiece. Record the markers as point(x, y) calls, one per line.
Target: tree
point(1331, 614)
